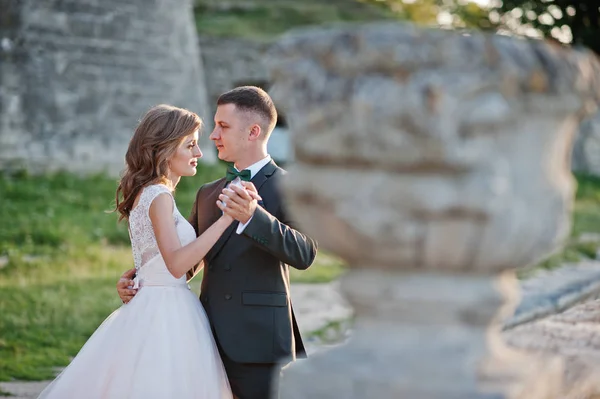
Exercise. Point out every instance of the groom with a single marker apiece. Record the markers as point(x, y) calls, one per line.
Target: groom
point(246, 287)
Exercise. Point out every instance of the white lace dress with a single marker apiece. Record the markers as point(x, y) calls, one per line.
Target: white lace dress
point(159, 345)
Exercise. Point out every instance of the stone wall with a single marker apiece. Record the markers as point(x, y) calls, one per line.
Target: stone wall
point(77, 75)
point(234, 62)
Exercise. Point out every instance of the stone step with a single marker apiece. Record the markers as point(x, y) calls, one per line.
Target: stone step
point(553, 291)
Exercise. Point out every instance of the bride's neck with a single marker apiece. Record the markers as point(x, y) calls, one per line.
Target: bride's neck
point(174, 179)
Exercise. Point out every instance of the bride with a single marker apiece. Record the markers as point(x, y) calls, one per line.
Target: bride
point(160, 344)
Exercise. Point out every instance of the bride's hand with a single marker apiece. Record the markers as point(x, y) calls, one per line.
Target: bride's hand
point(125, 284)
point(240, 201)
point(226, 216)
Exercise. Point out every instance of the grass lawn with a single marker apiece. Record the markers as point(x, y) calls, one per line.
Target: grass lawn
point(585, 233)
point(266, 19)
point(60, 256)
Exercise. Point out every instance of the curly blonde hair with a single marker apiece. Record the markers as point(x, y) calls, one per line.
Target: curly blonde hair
point(155, 140)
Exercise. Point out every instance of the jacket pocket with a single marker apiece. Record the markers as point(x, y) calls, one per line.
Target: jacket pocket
point(259, 298)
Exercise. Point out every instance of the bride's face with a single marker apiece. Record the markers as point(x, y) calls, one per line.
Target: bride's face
point(185, 159)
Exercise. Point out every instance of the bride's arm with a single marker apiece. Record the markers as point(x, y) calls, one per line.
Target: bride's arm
point(180, 259)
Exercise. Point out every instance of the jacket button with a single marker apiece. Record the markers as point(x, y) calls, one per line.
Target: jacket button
point(228, 296)
point(227, 267)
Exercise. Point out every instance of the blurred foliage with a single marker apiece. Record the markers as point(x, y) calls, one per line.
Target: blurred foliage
point(263, 20)
point(445, 13)
point(568, 21)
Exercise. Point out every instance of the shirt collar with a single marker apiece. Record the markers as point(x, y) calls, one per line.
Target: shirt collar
point(256, 167)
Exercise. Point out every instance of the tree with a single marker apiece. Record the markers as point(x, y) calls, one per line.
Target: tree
point(568, 21)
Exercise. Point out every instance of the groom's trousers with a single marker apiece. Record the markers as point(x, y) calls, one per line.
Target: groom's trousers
point(252, 380)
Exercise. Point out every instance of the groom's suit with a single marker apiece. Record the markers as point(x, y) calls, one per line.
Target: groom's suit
point(246, 288)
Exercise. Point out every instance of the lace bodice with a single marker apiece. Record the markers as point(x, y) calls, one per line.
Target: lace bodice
point(143, 240)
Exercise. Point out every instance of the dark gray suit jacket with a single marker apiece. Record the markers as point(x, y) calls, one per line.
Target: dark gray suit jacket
point(246, 286)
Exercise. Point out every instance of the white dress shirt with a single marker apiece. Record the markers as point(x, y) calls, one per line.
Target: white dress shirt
point(254, 169)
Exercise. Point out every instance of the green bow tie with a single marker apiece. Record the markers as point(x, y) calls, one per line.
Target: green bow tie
point(232, 173)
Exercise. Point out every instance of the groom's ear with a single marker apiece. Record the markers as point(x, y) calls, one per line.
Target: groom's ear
point(255, 131)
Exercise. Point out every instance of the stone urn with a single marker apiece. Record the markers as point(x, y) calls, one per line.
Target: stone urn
point(435, 163)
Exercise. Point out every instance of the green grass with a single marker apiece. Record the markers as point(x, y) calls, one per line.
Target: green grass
point(333, 332)
point(43, 325)
point(61, 254)
point(263, 20)
point(586, 220)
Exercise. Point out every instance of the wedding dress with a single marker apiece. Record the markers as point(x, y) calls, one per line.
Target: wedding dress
point(160, 344)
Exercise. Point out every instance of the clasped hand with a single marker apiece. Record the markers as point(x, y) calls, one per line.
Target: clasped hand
point(239, 201)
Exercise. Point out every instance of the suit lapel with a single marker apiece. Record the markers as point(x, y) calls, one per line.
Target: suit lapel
point(213, 213)
point(214, 196)
point(208, 213)
point(258, 180)
point(263, 175)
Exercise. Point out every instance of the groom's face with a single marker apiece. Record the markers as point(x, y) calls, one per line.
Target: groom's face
point(231, 133)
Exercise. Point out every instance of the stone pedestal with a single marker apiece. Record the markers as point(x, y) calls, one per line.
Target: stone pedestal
point(434, 163)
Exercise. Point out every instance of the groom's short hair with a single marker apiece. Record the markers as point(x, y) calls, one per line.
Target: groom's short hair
point(255, 100)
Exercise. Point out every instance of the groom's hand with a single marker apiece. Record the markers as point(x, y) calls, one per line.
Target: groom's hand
point(126, 293)
point(240, 202)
